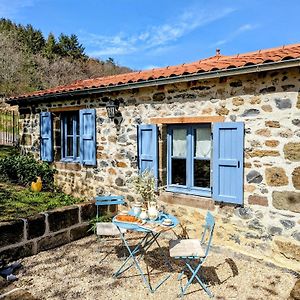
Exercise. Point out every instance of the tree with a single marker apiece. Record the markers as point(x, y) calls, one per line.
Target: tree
point(33, 39)
point(51, 48)
point(70, 47)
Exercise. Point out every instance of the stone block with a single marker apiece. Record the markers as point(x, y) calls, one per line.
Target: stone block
point(255, 100)
point(63, 217)
point(296, 178)
point(121, 164)
point(36, 226)
point(237, 101)
point(222, 111)
point(15, 253)
point(283, 103)
point(276, 176)
point(272, 124)
point(286, 200)
point(244, 213)
point(263, 153)
point(288, 249)
point(274, 230)
point(53, 241)
point(272, 143)
point(263, 132)
point(295, 292)
point(252, 112)
point(254, 177)
point(11, 232)
point(258, 200)
point(288, 224)
point(267, 108)
point(292, 151)
point(88, 211)
point(80, 232)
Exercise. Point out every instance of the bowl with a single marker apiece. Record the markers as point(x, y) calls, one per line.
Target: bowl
point(167, 222)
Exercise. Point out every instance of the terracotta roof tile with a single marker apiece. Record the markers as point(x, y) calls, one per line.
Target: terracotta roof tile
point(217, 62)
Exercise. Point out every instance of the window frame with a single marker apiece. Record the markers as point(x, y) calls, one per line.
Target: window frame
point(190, 141)
point(74, 135)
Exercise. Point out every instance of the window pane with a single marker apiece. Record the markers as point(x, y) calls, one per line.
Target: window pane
point(202, 173)
point(78, 147)
point(202, 145)
point(69, 146)
point(179, 143)
point(76, 116)
point(69, 120)
point(178, 171)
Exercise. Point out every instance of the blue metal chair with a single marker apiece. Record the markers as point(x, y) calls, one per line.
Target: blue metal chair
point(190, 250)
point(103, 228)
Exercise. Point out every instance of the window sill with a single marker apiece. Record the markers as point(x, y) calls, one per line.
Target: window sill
point(197, 192)
point(187, 200)
point(74, 166)
point(70, 160)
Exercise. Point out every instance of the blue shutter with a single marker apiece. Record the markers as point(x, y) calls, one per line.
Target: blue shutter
point(46, 152)
point(87, 125)
point(228, 162)
point(147, 148)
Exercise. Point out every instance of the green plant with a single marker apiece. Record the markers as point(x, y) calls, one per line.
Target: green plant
point(19, 202)
point(104, 218)
point(23, 169)
point(144, 185)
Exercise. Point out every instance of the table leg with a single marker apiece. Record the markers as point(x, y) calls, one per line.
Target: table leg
point(145, 243)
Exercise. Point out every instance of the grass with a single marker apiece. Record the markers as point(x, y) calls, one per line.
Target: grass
point(19, 202)
point(7, 151)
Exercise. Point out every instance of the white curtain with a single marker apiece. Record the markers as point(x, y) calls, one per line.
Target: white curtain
point(179, 142)
point(203, 142)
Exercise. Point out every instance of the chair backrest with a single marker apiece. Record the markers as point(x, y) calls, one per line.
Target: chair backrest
point(208, 231)
point(108, 200)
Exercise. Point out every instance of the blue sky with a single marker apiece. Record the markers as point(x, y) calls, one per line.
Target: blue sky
point(143, 34)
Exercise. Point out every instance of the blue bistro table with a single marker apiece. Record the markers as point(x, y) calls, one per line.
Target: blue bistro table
point(151, 230)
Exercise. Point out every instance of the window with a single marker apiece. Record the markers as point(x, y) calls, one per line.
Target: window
point(70, 136)
point(189, 159)
point(78, 136)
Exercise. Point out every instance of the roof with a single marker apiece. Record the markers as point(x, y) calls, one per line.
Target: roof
point(215, 63)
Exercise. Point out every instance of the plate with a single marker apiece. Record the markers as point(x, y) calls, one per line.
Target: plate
point(123, 213)
point(166, 224)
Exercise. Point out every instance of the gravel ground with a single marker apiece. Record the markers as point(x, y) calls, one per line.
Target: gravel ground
point(83, 270)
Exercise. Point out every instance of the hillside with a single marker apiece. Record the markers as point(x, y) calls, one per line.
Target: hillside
point(29, 61)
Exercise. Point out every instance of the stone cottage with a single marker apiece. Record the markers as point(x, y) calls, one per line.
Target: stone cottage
point(220, 134)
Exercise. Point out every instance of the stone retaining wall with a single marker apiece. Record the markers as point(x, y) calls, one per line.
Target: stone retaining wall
point(47, 230)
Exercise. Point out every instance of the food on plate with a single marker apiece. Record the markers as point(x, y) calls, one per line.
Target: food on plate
point(129, 219)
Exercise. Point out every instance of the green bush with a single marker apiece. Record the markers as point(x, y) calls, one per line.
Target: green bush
point(23, 169)
point(104, 218)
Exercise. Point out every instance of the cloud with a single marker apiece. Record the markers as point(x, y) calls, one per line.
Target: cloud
point(158, 37)
point(234, 34)
point(10, 8)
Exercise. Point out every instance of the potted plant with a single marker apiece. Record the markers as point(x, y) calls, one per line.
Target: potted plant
point(144, 185)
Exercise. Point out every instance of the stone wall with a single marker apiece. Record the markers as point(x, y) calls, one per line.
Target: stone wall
point(25, 237)
point(269, 105)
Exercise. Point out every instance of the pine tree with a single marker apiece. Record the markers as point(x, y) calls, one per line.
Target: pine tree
point(51, 48)
point(70, 47)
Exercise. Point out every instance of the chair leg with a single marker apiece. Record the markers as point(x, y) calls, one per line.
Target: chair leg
point(194, 275)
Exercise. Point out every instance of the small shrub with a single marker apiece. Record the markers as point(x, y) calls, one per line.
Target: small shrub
point(93, 222)
point(23, 169)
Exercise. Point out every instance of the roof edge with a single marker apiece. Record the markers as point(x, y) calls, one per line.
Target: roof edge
point(162, 81)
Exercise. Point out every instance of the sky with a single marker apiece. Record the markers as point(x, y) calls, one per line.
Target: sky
point(143, 34)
